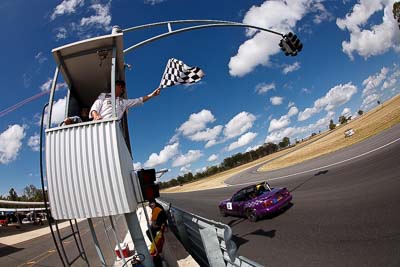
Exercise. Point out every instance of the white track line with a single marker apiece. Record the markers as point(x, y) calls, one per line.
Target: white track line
point(323, 167)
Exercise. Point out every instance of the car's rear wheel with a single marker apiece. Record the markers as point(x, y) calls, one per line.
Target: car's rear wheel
point(222, 212)
point(251, 215)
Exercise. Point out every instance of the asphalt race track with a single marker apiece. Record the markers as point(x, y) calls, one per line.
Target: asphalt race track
point(345, 209)
point(42, 252)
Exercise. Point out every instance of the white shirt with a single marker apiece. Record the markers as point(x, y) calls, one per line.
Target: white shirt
point(103, 105)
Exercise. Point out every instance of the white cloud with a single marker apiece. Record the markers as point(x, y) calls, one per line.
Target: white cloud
point(283, 121)
point(346, 112)
point(389, 84)
point(188, 158)
point(207, 135)
point(374, 81)
point(250, 148)
point(211, 143)
point(366, 39)
point(307, 113)
point(369, 101)
point(66, 7)
point(61, 33)
point(276, 100)
point(137, 165)
point(290, 68)
point(185, 169)
point(200, 170)
point(277, 15)
point(293, 111)
point(101, 19)
point(322, 15)
point(277, 136)
point(196, 122)
point(385, 79)
point(213, 157)
point(195, 128)
point(291, 104)
point(10, 143)
point(167, 153)
point(245, 139)
point(263, 88)
point(291, 132)
point(153, 2)
point(239, 124)
point(34, 142)
point(58, 112)
point(47, 85)
point(40, 57)
point(280, 123)
point(336, 96)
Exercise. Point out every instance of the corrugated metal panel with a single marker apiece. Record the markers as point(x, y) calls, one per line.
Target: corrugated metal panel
point(89, 171)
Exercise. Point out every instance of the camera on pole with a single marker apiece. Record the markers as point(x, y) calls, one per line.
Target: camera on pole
point(147, 178)
point(290, 44)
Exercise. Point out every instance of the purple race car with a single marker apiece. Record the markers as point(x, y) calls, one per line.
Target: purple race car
point(255, 201)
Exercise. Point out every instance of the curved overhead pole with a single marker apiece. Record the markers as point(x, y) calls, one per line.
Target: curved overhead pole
point(205, 24)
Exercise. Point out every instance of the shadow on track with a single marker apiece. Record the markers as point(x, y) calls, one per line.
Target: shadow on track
point(240, 240)
point(235, 222)
point(309, 179)
point(261, 232)
point(6, 250)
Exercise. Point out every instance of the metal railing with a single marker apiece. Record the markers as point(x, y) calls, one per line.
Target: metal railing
point(208, 242)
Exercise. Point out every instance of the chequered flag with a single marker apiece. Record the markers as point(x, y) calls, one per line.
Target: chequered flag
point(177, 72)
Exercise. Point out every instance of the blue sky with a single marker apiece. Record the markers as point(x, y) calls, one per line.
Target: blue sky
point(251, 93)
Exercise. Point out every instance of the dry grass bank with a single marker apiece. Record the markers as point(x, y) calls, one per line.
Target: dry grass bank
point(369, 124)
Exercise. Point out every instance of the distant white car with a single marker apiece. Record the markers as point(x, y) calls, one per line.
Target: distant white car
point(348, 132)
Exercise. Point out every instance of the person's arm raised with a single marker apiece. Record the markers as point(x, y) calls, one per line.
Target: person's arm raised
point(156, 92)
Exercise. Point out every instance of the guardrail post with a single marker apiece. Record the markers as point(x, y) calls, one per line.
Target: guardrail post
point(180, 225)
point(231, 247)
point(211, 246)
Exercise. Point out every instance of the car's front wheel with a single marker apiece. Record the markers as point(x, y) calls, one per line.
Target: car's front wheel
point(251, 215)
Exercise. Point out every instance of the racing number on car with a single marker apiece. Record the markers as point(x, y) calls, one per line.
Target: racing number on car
point(229, 205)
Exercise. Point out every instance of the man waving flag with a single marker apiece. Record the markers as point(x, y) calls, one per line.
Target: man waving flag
point(177, 72)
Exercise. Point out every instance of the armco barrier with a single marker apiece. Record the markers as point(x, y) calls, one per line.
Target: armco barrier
point(210, 243)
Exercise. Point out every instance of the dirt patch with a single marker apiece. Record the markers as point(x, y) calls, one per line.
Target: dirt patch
point(371, 123)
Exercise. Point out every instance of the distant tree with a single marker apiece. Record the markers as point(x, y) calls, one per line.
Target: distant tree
point(360, 112)
point(396, 12)
point(12, 195)
point(181, 179)
point(332, 125)
point(342, 119)
point(173, 182)
point(285, 142)
point(30, 191)
point(190, 176)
